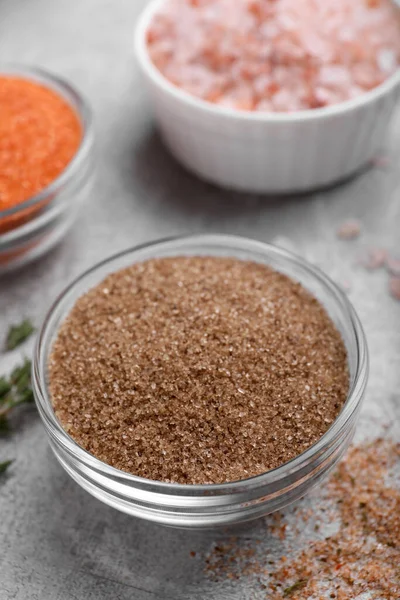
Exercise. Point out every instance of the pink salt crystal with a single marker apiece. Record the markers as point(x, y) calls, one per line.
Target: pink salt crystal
point(346, 285)
point(387, 60)
point(264, 106)
point(349, 230)
point(334, 76)
point(381, 162)
point(393, 266)
point(394, 287)
point(324, 97)
point(276, 55)
point(375, 259)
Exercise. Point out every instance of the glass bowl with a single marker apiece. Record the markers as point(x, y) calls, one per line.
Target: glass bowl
point(214, 504)
point(34, 226)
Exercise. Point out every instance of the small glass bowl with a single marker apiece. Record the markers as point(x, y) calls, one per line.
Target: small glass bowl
point(34, 226)
point(214, 504)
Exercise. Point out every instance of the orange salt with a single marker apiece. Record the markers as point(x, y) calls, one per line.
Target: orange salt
point(39, 135)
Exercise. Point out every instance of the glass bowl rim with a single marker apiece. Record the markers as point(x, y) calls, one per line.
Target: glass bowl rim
point(354, 396)
point(179, 94)
point(64, 89)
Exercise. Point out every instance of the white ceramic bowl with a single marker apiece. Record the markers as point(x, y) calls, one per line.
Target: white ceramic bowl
point(267, 152)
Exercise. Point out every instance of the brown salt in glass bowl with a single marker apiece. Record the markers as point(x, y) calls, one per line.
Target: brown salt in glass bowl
point(196, 506)
point(36, 225)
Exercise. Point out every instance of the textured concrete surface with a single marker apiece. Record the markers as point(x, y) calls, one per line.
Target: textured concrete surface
point(56, 541)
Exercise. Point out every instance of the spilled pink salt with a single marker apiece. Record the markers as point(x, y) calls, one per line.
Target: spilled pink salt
point(375, 259)
point(394, 287)
point(381, 162)
point(393, 266)
point(349, 230)
point(276, 55)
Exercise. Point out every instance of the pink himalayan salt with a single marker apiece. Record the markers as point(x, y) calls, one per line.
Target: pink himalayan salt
point(346, 286)
point(393, 266)
point(375, 259)
point(394, 287)
point(276, 55)
point(349, 230)
point(381, 162)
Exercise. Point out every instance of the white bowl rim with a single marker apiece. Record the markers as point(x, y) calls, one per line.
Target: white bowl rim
point(216, 110)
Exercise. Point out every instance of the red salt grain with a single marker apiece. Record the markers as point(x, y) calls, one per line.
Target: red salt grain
point(394, 287)
point(276, 55)
point(349, 230)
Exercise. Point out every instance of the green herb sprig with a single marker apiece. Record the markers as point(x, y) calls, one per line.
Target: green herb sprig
point(17, 334)
point(4, 466)
point(299, 585)
point(15, 390)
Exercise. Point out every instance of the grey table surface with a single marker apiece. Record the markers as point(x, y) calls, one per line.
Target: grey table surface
point(56, 541)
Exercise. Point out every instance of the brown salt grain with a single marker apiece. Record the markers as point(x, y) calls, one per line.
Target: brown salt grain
point(197, 370)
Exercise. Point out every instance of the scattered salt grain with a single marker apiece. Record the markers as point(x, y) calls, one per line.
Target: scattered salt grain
point(349, 230)
point(394, 286)
point(346, 285)
point(276, 55)
point(345, 540)
point(393, 266)
point(375, 259)
point(381, 162)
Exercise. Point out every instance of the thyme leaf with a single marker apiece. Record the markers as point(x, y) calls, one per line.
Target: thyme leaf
point(5, 387)
point(4, 426)
point(17, 334)
point(299, 585)
point(4, 466)
point(19, 391)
